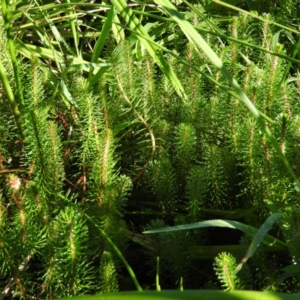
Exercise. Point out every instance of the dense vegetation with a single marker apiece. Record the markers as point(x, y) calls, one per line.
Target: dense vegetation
point(119, 118)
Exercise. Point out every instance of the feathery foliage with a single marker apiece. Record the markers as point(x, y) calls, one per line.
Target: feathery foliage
point(123, 116)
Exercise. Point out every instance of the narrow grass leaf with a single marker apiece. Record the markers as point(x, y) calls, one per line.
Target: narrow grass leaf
point(67, 95)
point(117, 29)
point(259, 236)
point(11, 99)
point(119, 253)
point(89, 66)
point(247, 229)
point(12, 52)
point(103, 35)
point(73, 28)
point(135, 26)
point(255, 16)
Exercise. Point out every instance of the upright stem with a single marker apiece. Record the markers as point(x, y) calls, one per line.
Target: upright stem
point(19, 102)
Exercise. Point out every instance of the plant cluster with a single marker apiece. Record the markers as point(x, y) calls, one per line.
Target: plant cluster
point(108, 133)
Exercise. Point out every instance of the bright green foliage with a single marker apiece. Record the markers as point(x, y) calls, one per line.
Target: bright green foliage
point(64, 166)
point(108, 277)
point(225, 161)
point(225, 265)
point(115, 112)
point(192, 295)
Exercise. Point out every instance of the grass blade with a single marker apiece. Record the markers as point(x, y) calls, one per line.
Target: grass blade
point(103, 35)
point(135, 26)
point(247, 229)
point(119, 253)
point(7, 23)
point(261, 233)
point(11, 98)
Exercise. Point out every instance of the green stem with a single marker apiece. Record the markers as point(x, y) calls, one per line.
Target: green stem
point(11, 99)
point(119, 253)
point(12, 53)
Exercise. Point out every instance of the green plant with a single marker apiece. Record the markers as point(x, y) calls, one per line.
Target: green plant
point(206, 295)
point(135, 120)
point(57, 169)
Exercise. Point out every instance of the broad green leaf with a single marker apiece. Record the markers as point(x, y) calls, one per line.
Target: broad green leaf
point(28, 50)
point(190, 295)
point(5, 16)
point(289, 271)
point(212, 5)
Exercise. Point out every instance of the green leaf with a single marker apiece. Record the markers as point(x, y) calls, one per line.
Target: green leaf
point(261, 233)
point(103, 35)
point(190, 295)
point(66, 94)
point(89, 66)
point(292, 269)
point(136, 27)
point(119, 253)
point(247, 229)
point(11, 99)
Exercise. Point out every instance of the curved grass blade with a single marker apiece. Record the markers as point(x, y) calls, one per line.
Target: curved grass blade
point(135, 25)
point(119, 253)
point(253, 15)
point(247, 229)
point(261, 233)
